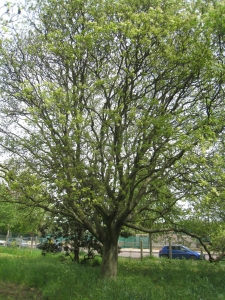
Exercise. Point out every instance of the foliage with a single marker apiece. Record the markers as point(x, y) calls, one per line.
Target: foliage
point(16, 218)
point(49, 246)
point(106, 107)
point(71, 246)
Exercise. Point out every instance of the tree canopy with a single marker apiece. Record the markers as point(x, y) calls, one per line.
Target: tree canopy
point(107, 107)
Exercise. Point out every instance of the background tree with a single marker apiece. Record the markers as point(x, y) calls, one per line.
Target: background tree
point(16, 218)
point(100, 102)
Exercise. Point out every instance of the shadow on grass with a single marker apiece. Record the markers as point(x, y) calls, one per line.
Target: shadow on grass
point(11, 291)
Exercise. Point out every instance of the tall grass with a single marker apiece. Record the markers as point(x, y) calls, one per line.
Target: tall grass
point(137, 279)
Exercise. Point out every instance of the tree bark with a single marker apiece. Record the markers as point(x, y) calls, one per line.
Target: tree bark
point(76, 252)
point(109, 259)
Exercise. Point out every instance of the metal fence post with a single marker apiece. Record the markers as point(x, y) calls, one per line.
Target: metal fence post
point(7, 237)
point(150, 243)
point(141, 243)
point(202, 253)
point(170, 250)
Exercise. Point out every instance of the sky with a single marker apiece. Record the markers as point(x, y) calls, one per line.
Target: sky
point(9, 9)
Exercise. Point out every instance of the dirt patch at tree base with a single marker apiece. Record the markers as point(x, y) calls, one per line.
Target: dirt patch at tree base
point(11, 291)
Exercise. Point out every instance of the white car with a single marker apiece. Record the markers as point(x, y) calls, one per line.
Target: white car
point(17, 242)
point(2, 243)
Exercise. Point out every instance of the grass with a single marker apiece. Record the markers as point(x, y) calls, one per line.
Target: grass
point(24, 274)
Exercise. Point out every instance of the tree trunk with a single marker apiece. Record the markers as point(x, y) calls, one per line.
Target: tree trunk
point(109, 258)
point(76, 252)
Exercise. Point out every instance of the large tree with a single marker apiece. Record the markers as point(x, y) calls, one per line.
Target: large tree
point(100, 101)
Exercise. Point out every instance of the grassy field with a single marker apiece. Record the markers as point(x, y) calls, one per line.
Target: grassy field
point(24, 274)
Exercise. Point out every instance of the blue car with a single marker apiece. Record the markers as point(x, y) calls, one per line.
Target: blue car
point(180, 252)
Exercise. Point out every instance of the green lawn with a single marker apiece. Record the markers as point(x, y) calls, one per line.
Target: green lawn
point(24, 274)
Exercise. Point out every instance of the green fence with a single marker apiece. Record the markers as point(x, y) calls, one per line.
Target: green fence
point(130, 242)
point(134, 242)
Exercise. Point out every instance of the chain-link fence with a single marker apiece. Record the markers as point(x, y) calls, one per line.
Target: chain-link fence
point(135, 242)
point(156, 241)
point(20, 240)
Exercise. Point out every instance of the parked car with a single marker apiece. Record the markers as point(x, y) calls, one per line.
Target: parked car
point(17, 242)
point(180, 252)
point(2, 243)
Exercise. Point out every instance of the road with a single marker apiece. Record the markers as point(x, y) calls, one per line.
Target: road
point(136, 253)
